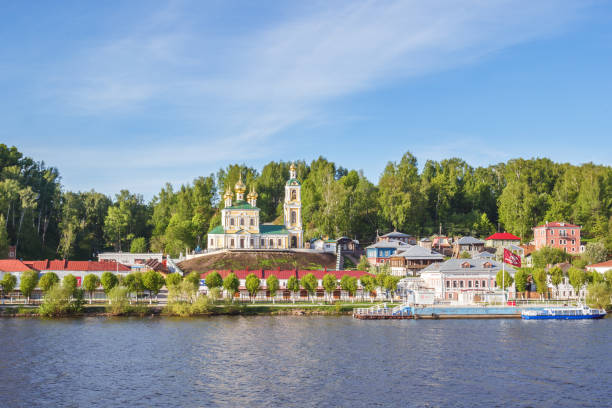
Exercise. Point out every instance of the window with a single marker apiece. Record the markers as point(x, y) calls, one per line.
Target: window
point(232, 242)
point(552, 241)
point(271, 242)
point(573, 241)
point(448, 284)
point(263, 243)
point(280, 242)
point(454, 284)
point(573, 232)
point(475, 283)
point(469, 284)
point(212, 242)
point(252, 222)
point(293, 217)
point(484, 284)
point(252, 243)
point(231, 221)
point(242, 221)
point(293, 194)
point(460, 284)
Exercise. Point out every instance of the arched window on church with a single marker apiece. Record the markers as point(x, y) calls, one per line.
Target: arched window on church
point(293, 195)
point(232, 242)
point(271, 243)
point(231, 221)
point(242, 221)
point(293, 217)
point(252, 222)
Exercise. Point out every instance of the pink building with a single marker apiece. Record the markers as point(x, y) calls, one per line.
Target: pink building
point(559, 235)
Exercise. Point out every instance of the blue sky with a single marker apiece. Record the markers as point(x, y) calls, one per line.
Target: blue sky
point(135, 94)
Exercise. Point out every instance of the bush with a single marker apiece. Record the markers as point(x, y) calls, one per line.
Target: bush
point(119, 302)
point(598, 295)
point(202, 305)
point(59, 301)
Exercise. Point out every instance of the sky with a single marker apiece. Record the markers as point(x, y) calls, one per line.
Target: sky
point(135, 94)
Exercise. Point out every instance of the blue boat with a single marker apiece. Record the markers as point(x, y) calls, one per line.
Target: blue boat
point(564, 313)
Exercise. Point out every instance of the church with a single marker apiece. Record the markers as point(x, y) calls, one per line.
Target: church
point(240, 227)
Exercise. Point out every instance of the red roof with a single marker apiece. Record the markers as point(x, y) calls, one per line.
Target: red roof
point(557, 225)
point(77, 266)
point(506, 236)
point(608, 263)
point(12, 265)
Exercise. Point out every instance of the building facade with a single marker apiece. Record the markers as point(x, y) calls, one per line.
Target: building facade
point(240, 223)
point(411, 260)
point(502, 240)
point(560, 235)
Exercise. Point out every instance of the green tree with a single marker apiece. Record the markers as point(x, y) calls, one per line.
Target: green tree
point(273, 285)
point(153, 281)
point(90, 284)
point(577, 279)
point(541, 280)
point(330, 283)
point(465, 255)
point(503, 279)
point(252, 284)
point(349, 284)
point(138, 245)
point(191, 284)
point(580, 262)
point(133, 283)
point(29, 280)
point(175, 279)
point(548, 256)
point(214, 280)
point(47, 281)
point(58, 301)
point(598, 295)
point(363, 264)
point(390, 284)
point(293, 285)
point(520, 279)
point(608, 277)
point(109, 280)
point(309, 283)
point(8, 283)
point(4, 238)
point(119, 300)
point(70, 282)
point(231, 285)
point(595, 252)
point(369, 284)
point(556, 277)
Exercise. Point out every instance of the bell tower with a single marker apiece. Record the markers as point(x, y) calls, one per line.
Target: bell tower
point(292, 209)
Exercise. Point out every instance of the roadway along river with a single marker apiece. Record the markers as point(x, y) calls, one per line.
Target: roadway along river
point(304, 362)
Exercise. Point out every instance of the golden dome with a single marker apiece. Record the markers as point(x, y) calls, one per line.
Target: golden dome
point(252, 194)
point(240, 187)
point(228, 193)
point(292, 167)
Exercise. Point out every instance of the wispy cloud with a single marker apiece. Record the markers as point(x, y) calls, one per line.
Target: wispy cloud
point(256, 84)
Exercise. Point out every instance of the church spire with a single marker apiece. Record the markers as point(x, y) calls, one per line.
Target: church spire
point(240, 188)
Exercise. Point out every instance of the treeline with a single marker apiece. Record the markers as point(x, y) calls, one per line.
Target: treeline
point(44, 221)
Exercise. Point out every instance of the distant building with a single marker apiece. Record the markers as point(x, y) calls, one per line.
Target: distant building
point(502, 239)
point(325, 245)
point(560, 235)
point(397, 236)
point(601, 267)
point(425, 243)
point(468, 244)
point(464, 280)
point(411, 260)
point(380, 252)
point(442, 244)
point(136, 261)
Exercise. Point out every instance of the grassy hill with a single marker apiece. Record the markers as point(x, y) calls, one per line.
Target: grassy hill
point(260, 260)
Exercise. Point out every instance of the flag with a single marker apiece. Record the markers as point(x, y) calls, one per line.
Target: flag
point(511, 258)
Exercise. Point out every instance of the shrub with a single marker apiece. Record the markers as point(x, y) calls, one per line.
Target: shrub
point(119, 302)
point(59, 301)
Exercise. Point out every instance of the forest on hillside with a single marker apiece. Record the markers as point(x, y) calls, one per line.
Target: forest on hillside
point(45, 221)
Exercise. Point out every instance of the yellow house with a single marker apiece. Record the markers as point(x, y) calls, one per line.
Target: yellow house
point(240, 227)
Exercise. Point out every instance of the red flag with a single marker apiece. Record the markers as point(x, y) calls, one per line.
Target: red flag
point(511, 258)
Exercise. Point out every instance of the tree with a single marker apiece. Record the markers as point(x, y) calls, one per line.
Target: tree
point(133, 283)
point(349, 284)
point(390, 284)
point(598, 295)
point(4, 238)
point(293, 285)
point(556, 277)
point(541, 280)
point(90, 284)
point(363, 264)
point(70, 282)
point(465, 255)
point(595, 252)
point(29, 280)
point(368, 283)
point(231, 285)
point(191, 283)
point(577, 279)
point(153, 281)
point(47, 281)
point(503, 279)
point(548, 256)
point(138, 245)
point(8, 283)
point(214, 280)
point(109, 280)
point(330, 283)
point(252, 284)
point(174, 280)
point(273, 285)
point(309, 283)
point(608, 277)
point(520, 279)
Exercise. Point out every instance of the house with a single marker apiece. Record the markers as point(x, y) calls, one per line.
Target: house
point(397, 236)
point(412, 259)
point(425, 243)
point(325, 245)
point(601, 267)
point(380, 252)
point(464, 280)
point(560, 235)
point(136, 261)
point(348, 245)
point(442, 244)
point(502, 239)
point(284, 276)
point(467, 244)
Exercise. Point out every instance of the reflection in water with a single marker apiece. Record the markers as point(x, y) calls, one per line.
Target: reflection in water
point(304, 361)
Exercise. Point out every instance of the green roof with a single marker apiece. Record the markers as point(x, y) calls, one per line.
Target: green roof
point(241, 205)
point(273, 229)
point(293, 182)
point(263, 229)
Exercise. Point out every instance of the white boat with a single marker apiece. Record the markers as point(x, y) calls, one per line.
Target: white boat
point(564, 313)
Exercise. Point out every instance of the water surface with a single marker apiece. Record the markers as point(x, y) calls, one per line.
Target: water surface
point(304, 362)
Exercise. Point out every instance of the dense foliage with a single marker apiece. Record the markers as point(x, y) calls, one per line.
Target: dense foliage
point(44, 221)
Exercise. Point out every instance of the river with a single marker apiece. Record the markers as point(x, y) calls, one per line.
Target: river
point(304, 362)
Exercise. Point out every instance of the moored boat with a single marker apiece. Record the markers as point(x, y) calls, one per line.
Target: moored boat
point(563, 313)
